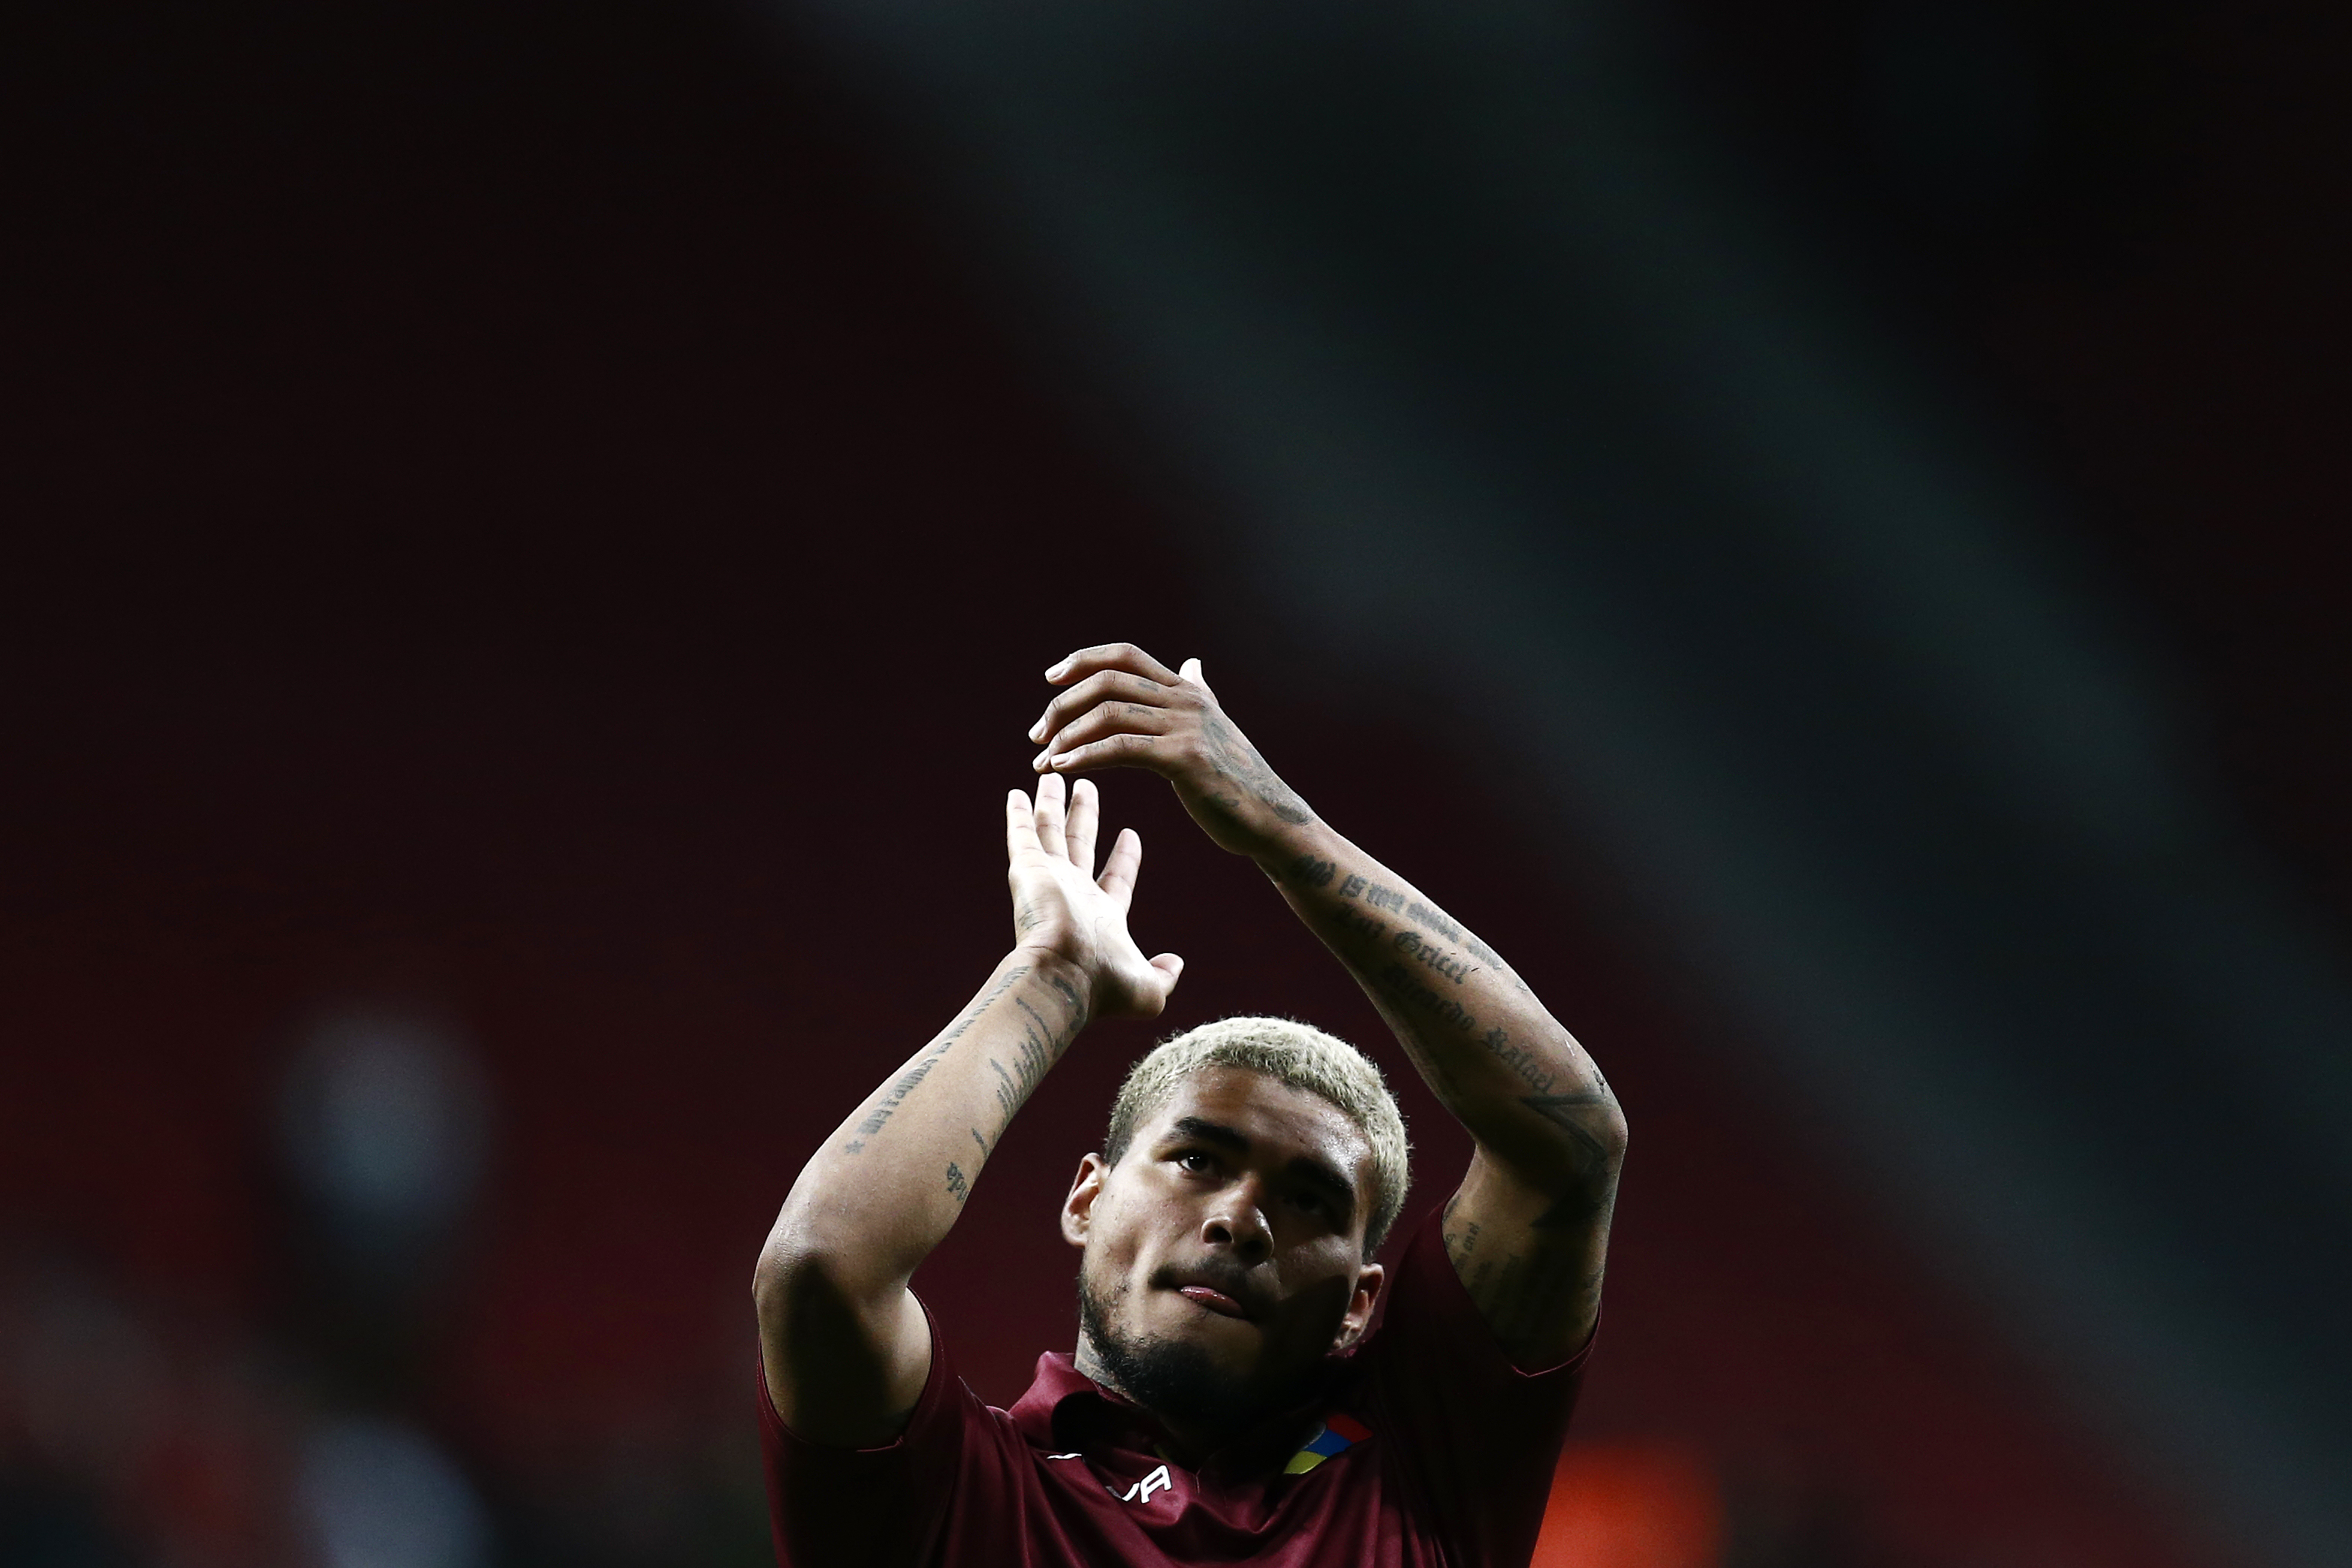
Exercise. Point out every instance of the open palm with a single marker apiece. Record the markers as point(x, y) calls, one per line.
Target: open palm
point(1060, 907)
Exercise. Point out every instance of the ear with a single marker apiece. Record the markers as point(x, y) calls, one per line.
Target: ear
point(1079, 1208)
point(1361, 1305)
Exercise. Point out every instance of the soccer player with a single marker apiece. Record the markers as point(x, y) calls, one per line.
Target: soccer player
point(1226, 1401)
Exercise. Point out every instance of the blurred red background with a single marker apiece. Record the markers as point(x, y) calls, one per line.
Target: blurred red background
point(514, 519)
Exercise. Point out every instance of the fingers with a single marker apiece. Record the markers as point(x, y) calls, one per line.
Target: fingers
point(1053, 837)
point(1099, 723)
point(1119, 871)
point(1103, 686)
point(1110, 656)
point(1085, 815)
point(1020, 824)
point(1129, 751)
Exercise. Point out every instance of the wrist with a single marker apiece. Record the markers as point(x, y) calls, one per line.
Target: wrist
point(1047, 964)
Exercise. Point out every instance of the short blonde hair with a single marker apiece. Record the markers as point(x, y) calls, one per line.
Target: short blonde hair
point(1302, 1057)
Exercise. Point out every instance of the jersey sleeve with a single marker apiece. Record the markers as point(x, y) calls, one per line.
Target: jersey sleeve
point(832, 1507)
point(1477, 1437)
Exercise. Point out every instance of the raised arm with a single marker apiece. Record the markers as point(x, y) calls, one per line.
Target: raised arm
point(841, 1337)
point(1527, 1229)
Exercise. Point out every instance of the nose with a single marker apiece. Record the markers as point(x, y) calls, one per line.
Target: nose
point(1238, 1220)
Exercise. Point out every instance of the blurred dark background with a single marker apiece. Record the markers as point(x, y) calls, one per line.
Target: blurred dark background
point(531, 533)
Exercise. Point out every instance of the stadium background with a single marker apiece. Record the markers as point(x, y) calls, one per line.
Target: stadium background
point(531, 535)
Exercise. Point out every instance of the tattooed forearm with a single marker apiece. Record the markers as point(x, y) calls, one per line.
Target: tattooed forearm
point(1040, 1046)
point(1308, 871)
point(1580, 1118)
point(1429, 917)
point(1432, 957)
point(1408, 990)
point(896, 1095)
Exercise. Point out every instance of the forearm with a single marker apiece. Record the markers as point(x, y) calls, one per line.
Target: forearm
point(1528, 1094)
point(887, 1186)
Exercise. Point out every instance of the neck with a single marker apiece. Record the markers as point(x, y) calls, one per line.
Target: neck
point(1190, 1444)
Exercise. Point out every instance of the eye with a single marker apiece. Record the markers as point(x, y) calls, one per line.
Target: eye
point(1193, 1160)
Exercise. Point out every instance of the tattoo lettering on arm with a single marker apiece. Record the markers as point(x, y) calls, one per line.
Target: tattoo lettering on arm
point(1309, 871)
point(1460, 1245)
point(1041, 1046)
point(1579, 1116)
point(907, 1081)
point(1407, 989)
point(957, 1186)
point(1519, 1058)
point(1433, 957)
point(1427, 916)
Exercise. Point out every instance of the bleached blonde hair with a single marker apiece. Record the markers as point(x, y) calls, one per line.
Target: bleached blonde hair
point(1289, 1052)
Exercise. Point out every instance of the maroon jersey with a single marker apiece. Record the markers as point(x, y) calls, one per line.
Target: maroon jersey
point(1427, 1448)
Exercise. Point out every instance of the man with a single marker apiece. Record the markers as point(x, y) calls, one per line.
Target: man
point(1225, 1401)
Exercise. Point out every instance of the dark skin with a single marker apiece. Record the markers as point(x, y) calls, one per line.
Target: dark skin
point(1185, 1214)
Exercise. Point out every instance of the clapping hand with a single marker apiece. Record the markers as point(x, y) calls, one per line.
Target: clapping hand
point(1063, 913)
point(1123, 708)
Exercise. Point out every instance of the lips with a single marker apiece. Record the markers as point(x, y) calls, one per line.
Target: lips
point(1215, 1301)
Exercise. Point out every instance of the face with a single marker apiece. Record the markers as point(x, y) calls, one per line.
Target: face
point(1223, 1254)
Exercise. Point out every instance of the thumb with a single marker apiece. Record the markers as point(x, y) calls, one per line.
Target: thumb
point(1191, 670)
point(1170, 966)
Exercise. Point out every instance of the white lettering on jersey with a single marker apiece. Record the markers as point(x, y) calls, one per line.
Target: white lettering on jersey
point(1157, 1481)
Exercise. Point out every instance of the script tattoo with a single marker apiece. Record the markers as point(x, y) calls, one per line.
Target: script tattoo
point(1404, 987)
point(1432, 956)
point(1041, 1045)
point(956, 1183)
point(1427, 916)
point(1460, 1245)
point(896, 1095)
point(1521, 1059)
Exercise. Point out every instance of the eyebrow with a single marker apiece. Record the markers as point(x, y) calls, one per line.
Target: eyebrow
point(1304, 1167)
